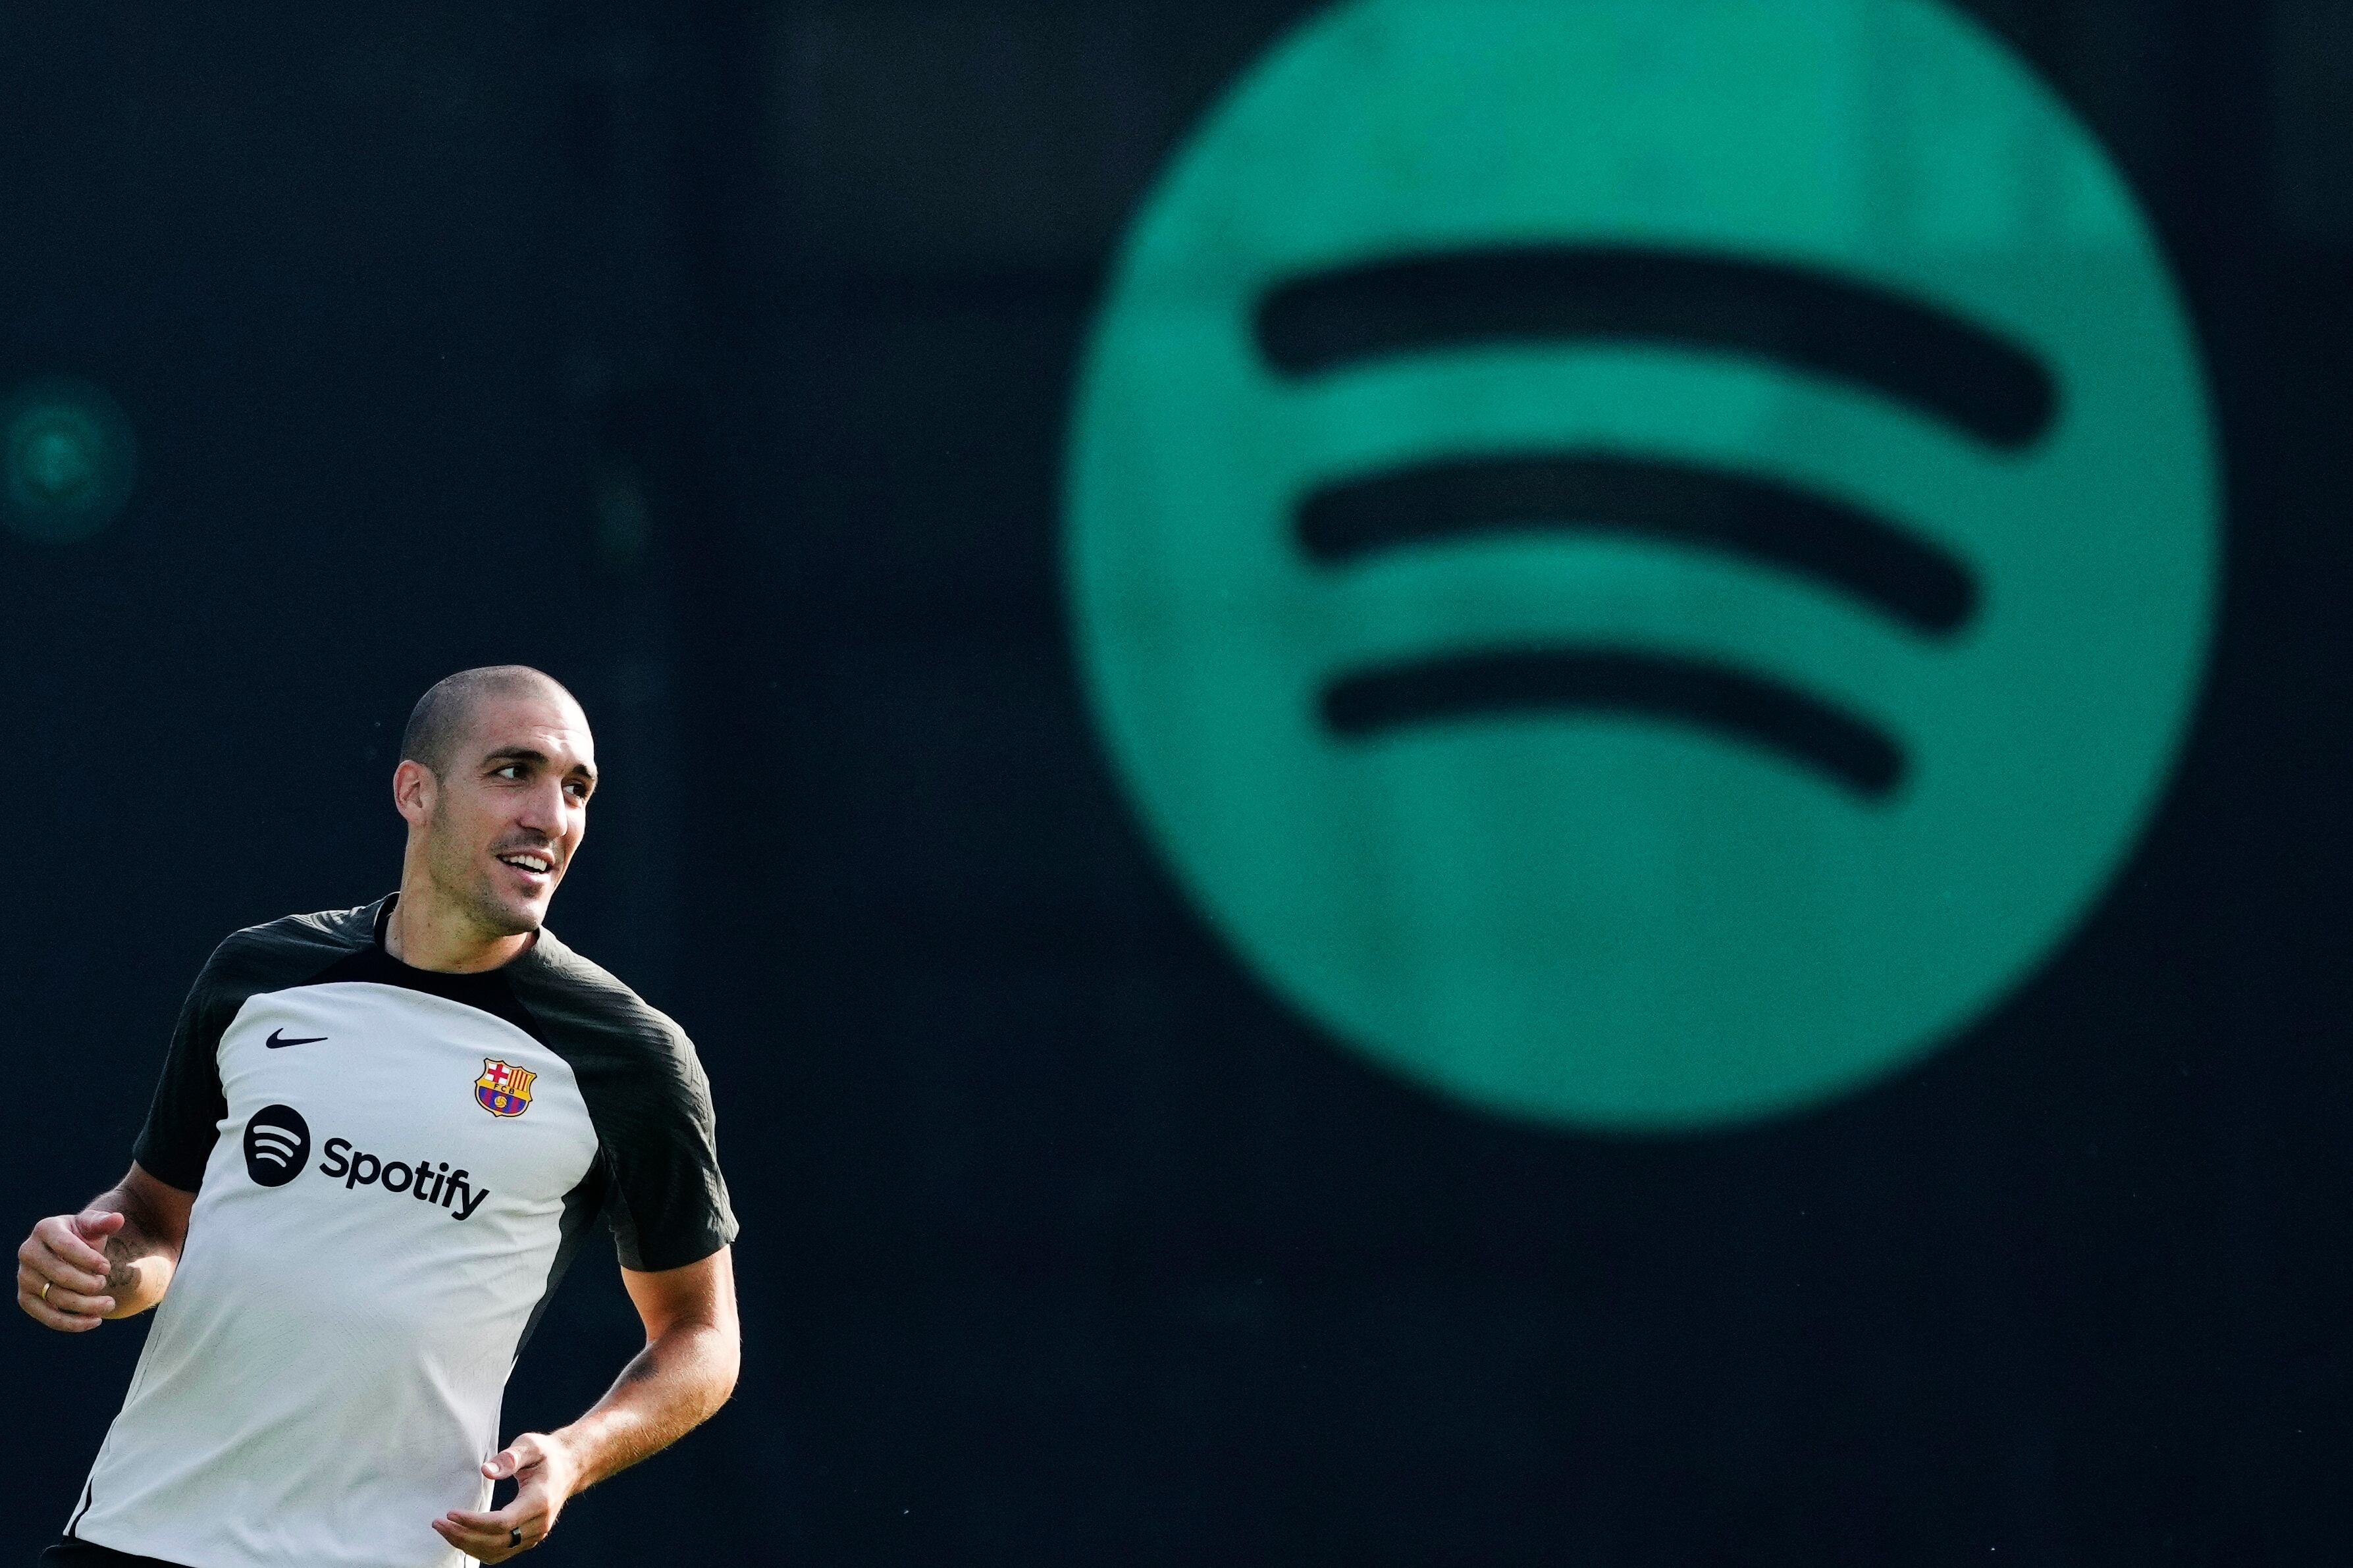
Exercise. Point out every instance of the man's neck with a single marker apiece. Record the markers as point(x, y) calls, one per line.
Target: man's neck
point(425, 933)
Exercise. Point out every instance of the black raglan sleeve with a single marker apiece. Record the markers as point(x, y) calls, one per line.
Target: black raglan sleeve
point(656, 1137)
point(185, 1117)
point(668, 1202)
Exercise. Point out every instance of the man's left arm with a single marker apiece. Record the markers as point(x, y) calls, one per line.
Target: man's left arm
point(684, 1373)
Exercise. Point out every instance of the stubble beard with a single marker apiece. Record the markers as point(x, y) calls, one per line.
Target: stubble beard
point(466, 885)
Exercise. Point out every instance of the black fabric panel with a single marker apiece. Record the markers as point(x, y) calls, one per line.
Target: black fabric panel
point(581, 1205)
point(490, 991)
point(183, 1117)
point(649, 1100)
point(81, 1508)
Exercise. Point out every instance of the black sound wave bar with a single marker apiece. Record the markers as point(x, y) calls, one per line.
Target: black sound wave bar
point(1907, 578)
point(1764, 713)
point(1907, 349)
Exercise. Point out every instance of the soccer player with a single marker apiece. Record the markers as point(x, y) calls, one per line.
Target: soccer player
point(379, 1137)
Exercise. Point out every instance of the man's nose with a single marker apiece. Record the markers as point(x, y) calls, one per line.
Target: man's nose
point(542, 809)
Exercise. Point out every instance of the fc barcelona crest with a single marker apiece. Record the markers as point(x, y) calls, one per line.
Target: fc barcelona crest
point(503, 1089)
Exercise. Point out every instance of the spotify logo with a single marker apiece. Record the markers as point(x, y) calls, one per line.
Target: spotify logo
point(277, 1146)
point(1643, 561)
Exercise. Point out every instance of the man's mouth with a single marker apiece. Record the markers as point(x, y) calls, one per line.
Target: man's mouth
point(529, 860)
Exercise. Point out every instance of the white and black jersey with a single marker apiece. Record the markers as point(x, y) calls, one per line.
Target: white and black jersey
point(392, 1168)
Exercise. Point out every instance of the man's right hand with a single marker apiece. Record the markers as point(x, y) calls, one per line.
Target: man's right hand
point(62, 1270)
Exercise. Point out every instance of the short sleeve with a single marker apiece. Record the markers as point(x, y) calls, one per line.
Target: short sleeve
point(185, 1117)
point(668, 1203)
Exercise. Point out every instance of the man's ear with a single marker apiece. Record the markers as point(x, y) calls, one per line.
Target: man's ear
point(413, 786)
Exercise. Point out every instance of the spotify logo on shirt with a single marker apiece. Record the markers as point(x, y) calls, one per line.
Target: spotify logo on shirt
point(1643, 561)
point(277, 1146)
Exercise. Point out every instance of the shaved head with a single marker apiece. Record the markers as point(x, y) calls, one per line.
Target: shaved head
point(443, 713)
point(496, 768)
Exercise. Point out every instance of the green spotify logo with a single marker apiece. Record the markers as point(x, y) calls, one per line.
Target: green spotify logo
point(1644, 562)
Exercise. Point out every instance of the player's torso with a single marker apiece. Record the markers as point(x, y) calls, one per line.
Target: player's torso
point(389, 1186)
point(387, 1152)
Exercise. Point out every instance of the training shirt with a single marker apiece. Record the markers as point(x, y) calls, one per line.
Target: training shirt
point(393, 1167)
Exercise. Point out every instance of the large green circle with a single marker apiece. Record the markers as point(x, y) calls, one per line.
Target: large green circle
point(1594, 917)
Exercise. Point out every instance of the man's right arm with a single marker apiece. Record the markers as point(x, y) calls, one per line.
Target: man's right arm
point(114, 1259)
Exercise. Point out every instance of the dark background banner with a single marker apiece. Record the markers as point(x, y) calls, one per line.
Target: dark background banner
point(719, 360)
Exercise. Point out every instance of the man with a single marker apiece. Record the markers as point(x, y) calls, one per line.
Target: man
point(379, 1136)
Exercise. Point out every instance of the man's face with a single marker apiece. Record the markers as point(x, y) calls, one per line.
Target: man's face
point(509, 808)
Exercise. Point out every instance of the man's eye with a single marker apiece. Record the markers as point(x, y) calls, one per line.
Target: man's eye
point(512, 771)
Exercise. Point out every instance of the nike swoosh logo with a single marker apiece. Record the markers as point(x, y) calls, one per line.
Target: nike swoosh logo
point(277, 1042)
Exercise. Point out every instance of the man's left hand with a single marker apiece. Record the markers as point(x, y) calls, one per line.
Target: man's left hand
point(545, 1473)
